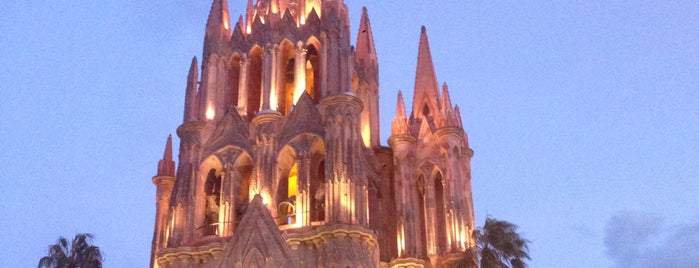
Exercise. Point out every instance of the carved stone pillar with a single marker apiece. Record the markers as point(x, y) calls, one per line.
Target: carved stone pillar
point(267, 76)
point(264, 162)
point(300, 72)
point(243, 85)
point(406, 198)
point(303, 198)
point(345, 163)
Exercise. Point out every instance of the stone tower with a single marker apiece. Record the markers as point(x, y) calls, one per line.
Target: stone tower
point(280, 163)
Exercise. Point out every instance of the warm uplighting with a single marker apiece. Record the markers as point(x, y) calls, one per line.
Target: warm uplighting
point(273, 99)
point(265, 198)
point(310, 5)
point(366, 134)
point(225, 24)
point(401, 241)
point(293, 180)
point(210, 113)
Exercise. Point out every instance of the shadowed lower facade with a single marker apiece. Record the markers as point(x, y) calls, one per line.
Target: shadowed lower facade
point(280, 162)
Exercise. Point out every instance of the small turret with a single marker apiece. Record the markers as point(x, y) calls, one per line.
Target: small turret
point(164, 183)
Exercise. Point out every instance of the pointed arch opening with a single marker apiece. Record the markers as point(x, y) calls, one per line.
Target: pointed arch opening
point(254, 101)
point(241, 186)
point(233, 81)
point(209, 196)
point(286, 187)
point(312, 67)
point(287, 77)
point(422, 216)
point(440, 217)
point(317, 182)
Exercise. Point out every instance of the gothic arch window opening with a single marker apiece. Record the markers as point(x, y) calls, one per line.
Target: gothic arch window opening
point(287, 187)
point(209, 197)
point(254, 101)
point(233, 81)
point(422, 223)
point(441, 217)
point(287, 77)
point(286, 197)
point(312, 67)
point(317, 182)
point(241, 187)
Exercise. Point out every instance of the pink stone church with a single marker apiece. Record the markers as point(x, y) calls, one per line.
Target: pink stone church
point(280, 160)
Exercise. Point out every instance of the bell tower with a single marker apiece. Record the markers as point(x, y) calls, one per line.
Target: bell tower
point(280, 162)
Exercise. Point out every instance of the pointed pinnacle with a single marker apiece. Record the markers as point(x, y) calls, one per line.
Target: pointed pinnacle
point(400, 106)
point(193, 70)
point(446, 98)
point(168, 149)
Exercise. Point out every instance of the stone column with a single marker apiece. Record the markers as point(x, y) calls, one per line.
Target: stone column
point(243, 85)
point(303, 200)
point(345, 162)
point(300, 72)
point(267, 76)
point(403, 146)
point(164, 185)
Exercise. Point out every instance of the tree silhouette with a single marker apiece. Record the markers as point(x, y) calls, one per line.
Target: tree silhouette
point(500, 246)
point(79, 253)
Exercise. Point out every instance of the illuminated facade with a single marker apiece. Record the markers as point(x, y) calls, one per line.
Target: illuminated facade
point(280, 162)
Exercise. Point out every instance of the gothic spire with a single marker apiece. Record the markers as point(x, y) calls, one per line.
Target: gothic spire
point(166, 166)
point(218, 28)
point(191, 93)
point(365, 40)
point(426, 89)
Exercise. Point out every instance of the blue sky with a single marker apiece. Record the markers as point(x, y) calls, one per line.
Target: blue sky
point(584, 116)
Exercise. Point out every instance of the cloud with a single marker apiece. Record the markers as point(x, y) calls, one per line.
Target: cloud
point(636, 240)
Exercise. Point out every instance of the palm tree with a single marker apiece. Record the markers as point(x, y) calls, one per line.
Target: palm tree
point(500, 246)
point(79, 253)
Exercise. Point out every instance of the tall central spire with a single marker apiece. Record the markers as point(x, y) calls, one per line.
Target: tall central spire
point(426, 88)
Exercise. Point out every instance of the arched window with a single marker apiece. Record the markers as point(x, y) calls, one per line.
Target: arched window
point(286, 197)
point(287, 84)
point(241, 190)
point(254, 82)
point(212, 195)
point(312, 75)
point(422, 222)
point(233, 81)
point(318, 194)
point(440, 218)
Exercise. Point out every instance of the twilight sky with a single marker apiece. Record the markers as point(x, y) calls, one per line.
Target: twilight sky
point(583, 115)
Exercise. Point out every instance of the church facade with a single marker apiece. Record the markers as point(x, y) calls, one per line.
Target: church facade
point(280, 162)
